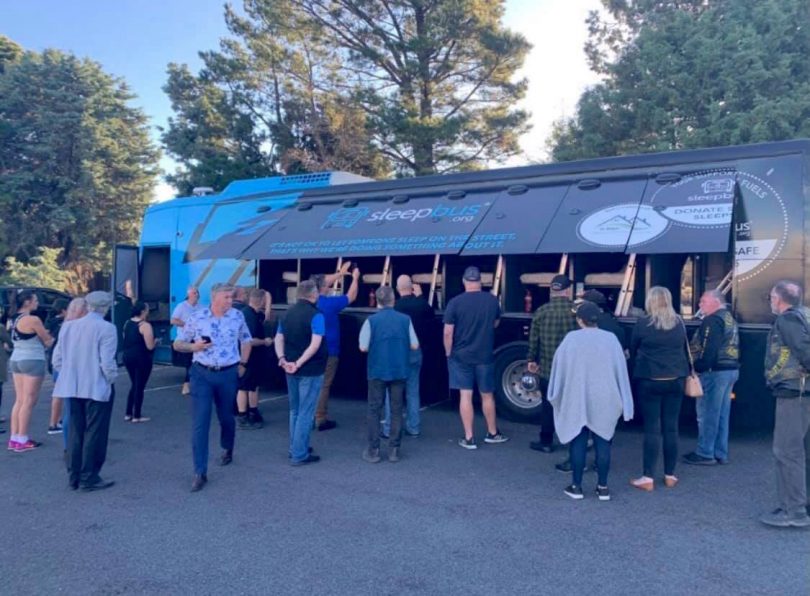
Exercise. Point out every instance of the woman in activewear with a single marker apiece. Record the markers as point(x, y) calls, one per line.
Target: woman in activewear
point(139, 345)
point(28, 365)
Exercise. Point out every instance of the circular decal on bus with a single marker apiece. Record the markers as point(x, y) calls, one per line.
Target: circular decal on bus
point(611, 226)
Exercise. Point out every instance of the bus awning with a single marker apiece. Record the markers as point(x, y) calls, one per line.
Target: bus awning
point(595, 216)
point(517, 221)
point(234, 243)
point(439, 224)
point(688, 214)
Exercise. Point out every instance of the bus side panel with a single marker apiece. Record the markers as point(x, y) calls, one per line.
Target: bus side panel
point(193, 232)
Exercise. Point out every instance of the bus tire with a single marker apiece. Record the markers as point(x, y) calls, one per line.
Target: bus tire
point(514, 403)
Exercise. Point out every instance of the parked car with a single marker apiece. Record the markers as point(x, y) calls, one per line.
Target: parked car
point(47, 296)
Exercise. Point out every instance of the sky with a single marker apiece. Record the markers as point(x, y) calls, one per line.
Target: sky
point(137, 39)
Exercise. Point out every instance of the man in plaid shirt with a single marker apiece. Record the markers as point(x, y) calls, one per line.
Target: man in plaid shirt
point(550, 324)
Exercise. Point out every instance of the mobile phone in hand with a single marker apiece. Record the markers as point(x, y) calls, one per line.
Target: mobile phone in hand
point(205, 338)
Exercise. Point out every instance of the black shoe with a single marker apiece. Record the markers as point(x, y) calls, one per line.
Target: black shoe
point(384, 436)
point(603, 493)
point(256, 418)
point(699, 460)
point(100, 485)
point(574, 491)
point(326, 425)
point(543, 447)
point(226, 457)
point(243, 423)
point(393, 454)
point(199, 482)
point(310, 459)
point(565, 467)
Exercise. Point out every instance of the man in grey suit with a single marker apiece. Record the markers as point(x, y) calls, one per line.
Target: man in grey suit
point(85, 360)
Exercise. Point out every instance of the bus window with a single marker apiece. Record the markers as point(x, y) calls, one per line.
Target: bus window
point(688, 289)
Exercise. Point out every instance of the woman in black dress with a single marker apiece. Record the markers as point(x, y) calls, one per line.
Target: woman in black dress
point(139, 346)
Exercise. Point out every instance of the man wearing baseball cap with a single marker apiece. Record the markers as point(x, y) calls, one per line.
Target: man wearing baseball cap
point(469, 341)
point(550, 324)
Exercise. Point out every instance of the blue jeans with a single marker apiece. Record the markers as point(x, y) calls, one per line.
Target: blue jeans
point(211, 389)
point(411, 398)
point(303, 393)
point(713, 413)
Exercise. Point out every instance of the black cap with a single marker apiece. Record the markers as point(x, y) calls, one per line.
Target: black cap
point(588, 312)
point(560, 283)
point(594, 296)
point(472, 273)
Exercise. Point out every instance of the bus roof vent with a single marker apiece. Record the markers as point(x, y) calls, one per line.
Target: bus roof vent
point(305, 179)
point(201, 191)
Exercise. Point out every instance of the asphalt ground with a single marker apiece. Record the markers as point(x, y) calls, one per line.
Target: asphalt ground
point(444, 520)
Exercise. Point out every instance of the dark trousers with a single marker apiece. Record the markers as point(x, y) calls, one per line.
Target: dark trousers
point(139, 370)
point(578, 448)
point(791, 449)
point(88, 434)
point(211, 389)
point(376, 399)
point(546, 416)
point(661, 407)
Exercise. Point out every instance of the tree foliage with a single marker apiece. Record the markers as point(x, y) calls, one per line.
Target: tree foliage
point(417, 86)
point(42, 270)
point(77, 167)
point(689, 74)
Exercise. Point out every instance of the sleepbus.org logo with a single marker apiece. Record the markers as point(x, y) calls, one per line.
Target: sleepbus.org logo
point(348, 217)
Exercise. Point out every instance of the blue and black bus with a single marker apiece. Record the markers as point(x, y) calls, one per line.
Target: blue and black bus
point(733, 218)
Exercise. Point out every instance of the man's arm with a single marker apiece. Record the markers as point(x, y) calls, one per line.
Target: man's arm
point(710, 341)
point(448, 339)
point(365, 336)
point(412, 334)
point(278, 344)
point(351, 294)
point(796, 336)
point(107, 348)
point(314, 345)
point(534, 342)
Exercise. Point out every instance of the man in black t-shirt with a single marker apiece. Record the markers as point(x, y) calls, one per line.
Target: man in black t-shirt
point(469, 340)
point(247, 398)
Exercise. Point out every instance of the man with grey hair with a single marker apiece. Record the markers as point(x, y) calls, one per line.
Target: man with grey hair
point(787, 367)
point(220, 342)
point(716, 346)
point(84, 357)
point(386, 336)
point(302, 354)
point(180, 315)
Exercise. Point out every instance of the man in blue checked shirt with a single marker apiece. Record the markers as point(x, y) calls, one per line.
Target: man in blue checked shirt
point(214, 336)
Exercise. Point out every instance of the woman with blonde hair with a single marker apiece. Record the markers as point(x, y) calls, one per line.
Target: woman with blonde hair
point(658, 348)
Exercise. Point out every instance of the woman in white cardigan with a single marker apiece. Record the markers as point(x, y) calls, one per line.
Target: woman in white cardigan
point(589, 390)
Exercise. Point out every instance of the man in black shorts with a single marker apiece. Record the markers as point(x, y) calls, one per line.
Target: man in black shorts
point(247, 398)
point(469, 339)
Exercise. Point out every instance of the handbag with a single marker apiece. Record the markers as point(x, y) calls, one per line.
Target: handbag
point(693, 386)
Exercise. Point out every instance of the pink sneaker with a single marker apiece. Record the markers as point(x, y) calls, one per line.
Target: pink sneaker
point(27, 446)
point(12, 445)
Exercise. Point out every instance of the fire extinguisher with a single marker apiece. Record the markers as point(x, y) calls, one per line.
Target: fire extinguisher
point(527, 301)
point(372, 299)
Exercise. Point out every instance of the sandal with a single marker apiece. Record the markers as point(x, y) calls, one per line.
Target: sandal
point(670, 481)
point(643, 483)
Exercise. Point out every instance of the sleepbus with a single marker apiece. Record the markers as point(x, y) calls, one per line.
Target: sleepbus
point(731, 218)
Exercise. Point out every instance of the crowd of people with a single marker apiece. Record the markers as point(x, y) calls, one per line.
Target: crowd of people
point(577, 357)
